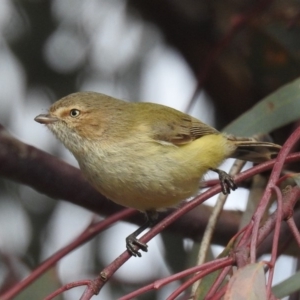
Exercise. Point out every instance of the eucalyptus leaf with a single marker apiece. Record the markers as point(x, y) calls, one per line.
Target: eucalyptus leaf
point(288, 286)
point(276, 110)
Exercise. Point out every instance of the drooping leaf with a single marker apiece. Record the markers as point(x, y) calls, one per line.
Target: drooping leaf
point(276, 110)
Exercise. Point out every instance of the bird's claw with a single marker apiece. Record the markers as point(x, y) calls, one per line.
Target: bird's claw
point(227, 182)
point(133, 246)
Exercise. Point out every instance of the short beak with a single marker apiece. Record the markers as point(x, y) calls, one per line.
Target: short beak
point(45, 119)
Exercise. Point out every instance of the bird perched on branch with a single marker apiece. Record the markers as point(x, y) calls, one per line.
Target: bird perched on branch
point(144, 155)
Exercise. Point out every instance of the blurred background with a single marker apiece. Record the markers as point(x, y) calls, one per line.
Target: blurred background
point(212, 59)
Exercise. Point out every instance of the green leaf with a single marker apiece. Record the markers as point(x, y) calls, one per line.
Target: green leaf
point(41, 287)
point(276, 110)
point(287, 286)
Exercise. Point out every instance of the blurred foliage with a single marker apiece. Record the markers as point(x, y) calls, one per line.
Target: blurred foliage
point(42, 287)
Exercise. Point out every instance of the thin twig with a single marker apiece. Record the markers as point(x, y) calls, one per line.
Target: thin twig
point(198, 276)
point(91, 231)
point(162, 282)
point(275, 239)
point(278, 166)
point(66, 287)
point(218, 282)
point(295, 231)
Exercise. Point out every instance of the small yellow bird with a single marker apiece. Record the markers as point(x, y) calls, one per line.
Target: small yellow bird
point(145, 155)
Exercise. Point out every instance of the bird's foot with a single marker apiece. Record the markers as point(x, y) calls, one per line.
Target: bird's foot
point(133, 245)
point(227, 182)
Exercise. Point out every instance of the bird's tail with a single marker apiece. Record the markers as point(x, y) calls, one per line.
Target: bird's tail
point(250, 149)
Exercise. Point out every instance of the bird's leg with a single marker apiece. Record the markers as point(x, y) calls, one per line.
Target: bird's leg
point(227, 182)
point(132, 241)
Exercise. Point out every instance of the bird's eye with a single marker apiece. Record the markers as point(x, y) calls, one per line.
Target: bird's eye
point(74, 113)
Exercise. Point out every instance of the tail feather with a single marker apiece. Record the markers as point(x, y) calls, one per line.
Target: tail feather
point(254, 151)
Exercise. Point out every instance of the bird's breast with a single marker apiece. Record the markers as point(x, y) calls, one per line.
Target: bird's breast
point(147, 175)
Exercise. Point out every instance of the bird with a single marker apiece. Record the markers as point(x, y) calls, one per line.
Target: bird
point(145, 155)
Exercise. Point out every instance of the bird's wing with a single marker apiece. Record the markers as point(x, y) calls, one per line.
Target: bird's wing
point(175, 127)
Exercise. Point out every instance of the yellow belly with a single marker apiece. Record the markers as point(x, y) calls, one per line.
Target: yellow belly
point(156, 175)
